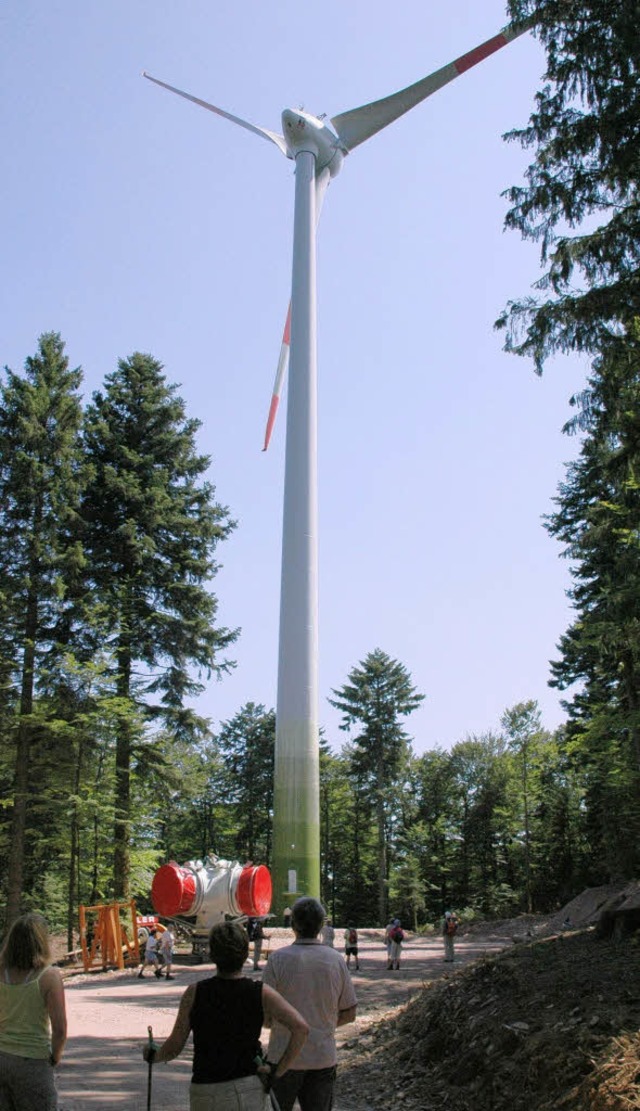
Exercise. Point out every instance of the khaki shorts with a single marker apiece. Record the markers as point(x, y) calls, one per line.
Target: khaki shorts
point(244, 1094)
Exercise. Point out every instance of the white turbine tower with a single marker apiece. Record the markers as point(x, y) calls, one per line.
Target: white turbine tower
point(318, 149)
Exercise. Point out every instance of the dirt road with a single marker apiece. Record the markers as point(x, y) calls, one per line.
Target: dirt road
point(109, 1014)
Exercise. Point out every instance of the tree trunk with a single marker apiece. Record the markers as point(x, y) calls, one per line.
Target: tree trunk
point(121, 855)
point(15, 872)
point(74, 853)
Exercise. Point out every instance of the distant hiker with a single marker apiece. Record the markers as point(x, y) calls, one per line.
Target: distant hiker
point(314, 979)
point(165, 948)
point(387, 937)
point(226, 1013)
point(351, 945)
point(257, 935)
point(151, 956)
point(287, 917)
point(449, 931)
point(33, 1022)
point(327, 933)
point(396, 937)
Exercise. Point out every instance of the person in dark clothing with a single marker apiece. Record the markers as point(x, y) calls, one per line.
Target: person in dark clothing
point(226, 1014)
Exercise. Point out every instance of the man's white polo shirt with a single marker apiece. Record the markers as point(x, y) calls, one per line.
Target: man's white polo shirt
point(314, 979)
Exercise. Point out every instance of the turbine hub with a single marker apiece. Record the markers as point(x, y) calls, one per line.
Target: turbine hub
point(304, 132)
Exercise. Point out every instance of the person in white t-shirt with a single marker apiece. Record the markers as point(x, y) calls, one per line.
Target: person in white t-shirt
point(165, 948)
point(150, 956)
point(314, 979)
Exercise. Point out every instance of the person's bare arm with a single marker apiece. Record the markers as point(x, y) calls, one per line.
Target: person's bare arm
point(177, 1039)
point(52, 990)
point(276, 1009)
point(346, 1016)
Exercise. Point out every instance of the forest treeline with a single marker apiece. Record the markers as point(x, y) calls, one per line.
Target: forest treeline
point(109, 528)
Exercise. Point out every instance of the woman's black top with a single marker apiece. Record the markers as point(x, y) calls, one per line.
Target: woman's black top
point(226, 1020)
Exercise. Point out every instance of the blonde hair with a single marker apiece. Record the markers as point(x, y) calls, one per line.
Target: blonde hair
point(26, 946)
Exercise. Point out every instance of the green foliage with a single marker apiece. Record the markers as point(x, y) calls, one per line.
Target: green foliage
point(580, 200)
point(40, 475)
point(598, 521)
point(246, 744)
point(377, 694)
point(151, 529)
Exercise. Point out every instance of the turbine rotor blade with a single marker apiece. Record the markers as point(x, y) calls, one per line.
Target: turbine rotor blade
point(322, 183)
point(359, 124)
point(272, 136)
point(283, 363)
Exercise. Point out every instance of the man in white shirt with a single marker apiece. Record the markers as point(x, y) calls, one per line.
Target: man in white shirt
point(165, 948)
point(314, 979)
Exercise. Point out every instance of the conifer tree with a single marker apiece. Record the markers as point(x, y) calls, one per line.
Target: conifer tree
point(580, 198)
point(378, 693)
point(152, 527)
point(598, 521)
point(40, 477)
point(247, 742)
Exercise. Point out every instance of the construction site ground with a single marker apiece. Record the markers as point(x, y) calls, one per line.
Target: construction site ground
point(530, 1017)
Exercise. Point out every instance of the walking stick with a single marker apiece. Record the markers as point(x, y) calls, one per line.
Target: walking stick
point(150, 1032)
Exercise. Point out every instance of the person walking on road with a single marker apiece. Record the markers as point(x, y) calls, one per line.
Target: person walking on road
point(151, 956)
point(327, 933)
point(256, 933)
point(351, 946)
point(165, 948)
point(313, 977)
point(226, 1014)
point(396, 937)
point(33, 1020)
point(449, 931)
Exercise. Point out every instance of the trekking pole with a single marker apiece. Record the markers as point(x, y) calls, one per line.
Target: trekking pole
point(269, 1090)
point(150, 1032)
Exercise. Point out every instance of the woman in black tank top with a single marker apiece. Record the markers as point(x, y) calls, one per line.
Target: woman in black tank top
point(226, 1014)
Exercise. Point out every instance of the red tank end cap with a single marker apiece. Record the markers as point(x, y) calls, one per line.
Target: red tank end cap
point(173, 890)
point(254, 890)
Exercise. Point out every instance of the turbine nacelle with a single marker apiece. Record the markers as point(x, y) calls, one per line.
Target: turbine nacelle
point(304, 132)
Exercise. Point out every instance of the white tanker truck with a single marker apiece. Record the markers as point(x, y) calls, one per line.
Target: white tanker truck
point(209, 890)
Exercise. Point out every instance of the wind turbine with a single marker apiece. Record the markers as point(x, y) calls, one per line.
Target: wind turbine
point(318, 147)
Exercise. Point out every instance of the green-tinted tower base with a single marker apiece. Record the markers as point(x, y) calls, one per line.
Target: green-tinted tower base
point(296, 817)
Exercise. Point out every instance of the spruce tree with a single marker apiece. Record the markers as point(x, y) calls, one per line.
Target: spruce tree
point(40, 481)
point(378, 693)
point(152, 528)
point(580, 198)
point(598, 522)
point(247, 743)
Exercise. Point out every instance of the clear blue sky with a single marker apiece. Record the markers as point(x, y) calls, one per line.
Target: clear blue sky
point(134, 220)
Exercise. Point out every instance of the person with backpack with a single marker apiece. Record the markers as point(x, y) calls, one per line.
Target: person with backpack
point(387, 938)
point(449, 931)
point(351, 946)
point(396, 937)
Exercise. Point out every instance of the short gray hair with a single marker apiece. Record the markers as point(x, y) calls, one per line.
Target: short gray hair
point(307, 916)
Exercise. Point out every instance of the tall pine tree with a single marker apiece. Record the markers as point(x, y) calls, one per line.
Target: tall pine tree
point(152, 528)
point(40, 477)
point(378, 693)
